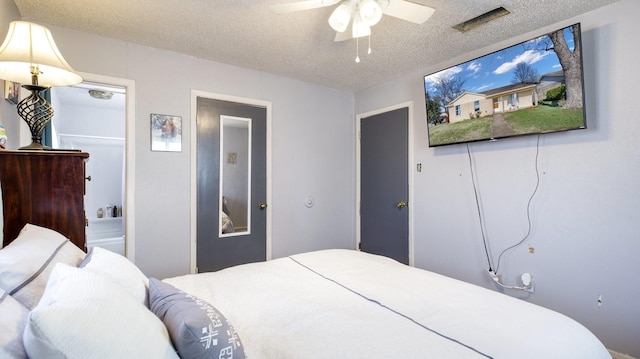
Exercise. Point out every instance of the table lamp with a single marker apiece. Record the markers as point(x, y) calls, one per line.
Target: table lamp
point(29, 56)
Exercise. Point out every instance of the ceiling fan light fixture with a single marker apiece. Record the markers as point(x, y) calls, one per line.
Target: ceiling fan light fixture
point(370, 12)
point(360, 29)
point(340, 17)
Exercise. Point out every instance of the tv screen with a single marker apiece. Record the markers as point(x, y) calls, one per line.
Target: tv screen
point(533, 87)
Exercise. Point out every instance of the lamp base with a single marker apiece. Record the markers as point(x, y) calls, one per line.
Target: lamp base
point(36, 111)
point(35, 146)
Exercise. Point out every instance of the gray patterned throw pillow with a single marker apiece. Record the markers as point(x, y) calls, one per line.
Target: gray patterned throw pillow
point(196, 328)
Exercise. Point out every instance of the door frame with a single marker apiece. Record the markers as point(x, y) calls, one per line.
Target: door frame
point(194, 168)
point(130, 155)
point(360, 117)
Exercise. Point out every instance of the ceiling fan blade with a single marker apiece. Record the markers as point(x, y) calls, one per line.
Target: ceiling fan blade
point(343, 36)
point(409, 11)
point(301, 5)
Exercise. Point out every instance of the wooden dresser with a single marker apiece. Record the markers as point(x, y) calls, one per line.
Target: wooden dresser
point(45, 188)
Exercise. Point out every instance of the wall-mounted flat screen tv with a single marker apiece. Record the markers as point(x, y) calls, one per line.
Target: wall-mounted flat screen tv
point(530, 88)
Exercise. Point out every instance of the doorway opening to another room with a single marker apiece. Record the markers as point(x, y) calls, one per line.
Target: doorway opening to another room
point(96, 116)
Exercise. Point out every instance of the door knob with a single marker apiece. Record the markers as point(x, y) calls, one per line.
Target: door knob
point(262, 206)
point(401, 204)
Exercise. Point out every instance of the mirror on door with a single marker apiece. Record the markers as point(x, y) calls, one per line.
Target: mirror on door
point(235, 176)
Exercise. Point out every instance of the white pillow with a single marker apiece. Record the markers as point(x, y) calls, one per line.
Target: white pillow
point(85, 315)
point(26, 262)
point(120, 270)
point(13, 317)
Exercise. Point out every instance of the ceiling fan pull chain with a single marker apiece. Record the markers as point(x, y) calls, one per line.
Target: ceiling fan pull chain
point(369, 50)
point(357, 57)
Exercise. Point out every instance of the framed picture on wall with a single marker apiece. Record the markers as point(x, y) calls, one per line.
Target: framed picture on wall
point(166, 133)
point(11, 91)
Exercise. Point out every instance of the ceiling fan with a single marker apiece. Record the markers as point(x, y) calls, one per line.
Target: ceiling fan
point(360, 14)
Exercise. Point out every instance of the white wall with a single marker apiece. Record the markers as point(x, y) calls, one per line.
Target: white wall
point(88, 120)
point(312, 148)
point(586, 220)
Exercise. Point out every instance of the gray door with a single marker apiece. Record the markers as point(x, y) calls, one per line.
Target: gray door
point(216, 251)
point(384, 184)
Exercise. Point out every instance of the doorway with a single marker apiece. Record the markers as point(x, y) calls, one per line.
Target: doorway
point(230, 194)
point(96, 116)
point(384, 193)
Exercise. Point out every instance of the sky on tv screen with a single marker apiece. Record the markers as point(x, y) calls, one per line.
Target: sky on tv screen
point(496, 69)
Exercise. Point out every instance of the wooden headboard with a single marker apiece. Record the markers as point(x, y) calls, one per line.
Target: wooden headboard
point(44, 188)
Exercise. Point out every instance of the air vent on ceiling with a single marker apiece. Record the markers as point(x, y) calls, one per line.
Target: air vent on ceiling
point(482, 19)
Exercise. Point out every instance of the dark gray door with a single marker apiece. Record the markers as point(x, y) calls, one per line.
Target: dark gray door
point(214, 252)
point(384, 184)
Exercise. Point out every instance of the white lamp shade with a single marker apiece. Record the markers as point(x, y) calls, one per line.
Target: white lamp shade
point(340, 17)
point(30, 44)
point(370, 12)
point(359, 29)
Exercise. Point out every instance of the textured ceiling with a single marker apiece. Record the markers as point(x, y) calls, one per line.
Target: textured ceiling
point(301, 45)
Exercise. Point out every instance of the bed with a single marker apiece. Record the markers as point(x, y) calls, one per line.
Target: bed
point(324, 304)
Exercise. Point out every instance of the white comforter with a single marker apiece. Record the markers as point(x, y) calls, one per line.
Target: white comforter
point(348, 304)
